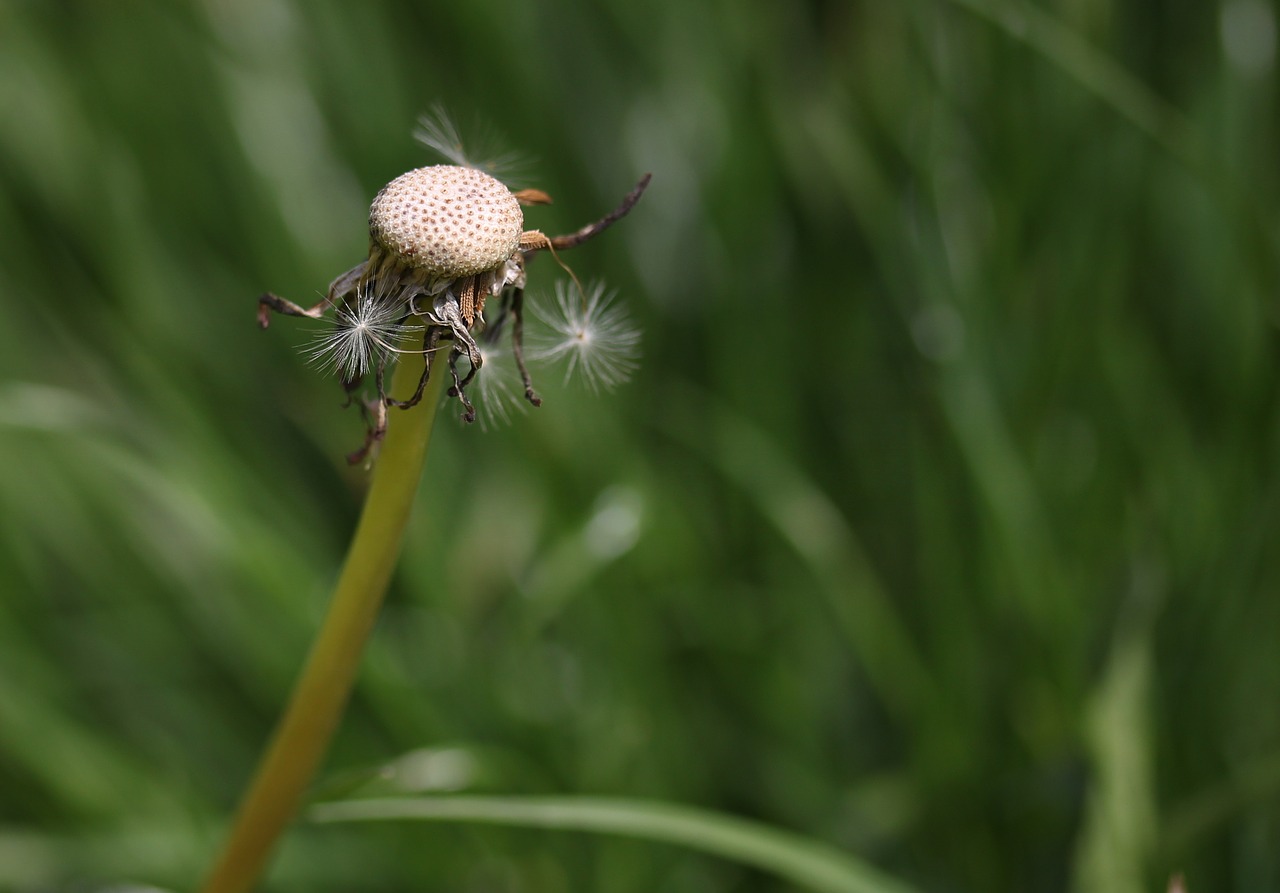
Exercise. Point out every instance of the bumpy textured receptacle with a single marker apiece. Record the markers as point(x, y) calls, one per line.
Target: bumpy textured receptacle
point(447, 221)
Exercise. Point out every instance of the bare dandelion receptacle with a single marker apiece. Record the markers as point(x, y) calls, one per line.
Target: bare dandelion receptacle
point(443, 240)
point(446, 221)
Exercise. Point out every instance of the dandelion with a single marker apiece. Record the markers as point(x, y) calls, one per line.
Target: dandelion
point(588, 332)
point(498, 387)
point(443, 240)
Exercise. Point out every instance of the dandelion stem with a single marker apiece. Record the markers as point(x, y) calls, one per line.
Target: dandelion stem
point(320, 694)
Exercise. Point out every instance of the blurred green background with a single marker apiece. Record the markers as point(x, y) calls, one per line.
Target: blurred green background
point(938, 523)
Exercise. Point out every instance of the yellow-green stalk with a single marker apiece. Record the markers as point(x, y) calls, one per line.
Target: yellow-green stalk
point(302, 737)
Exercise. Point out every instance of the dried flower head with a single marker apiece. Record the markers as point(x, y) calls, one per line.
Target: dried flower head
point(442, 241)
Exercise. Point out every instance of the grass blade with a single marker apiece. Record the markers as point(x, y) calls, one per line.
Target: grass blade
point(802, 861)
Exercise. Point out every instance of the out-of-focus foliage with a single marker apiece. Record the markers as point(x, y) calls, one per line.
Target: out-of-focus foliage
point(938, 524)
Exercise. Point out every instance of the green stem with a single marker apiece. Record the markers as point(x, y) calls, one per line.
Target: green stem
point(320, 694)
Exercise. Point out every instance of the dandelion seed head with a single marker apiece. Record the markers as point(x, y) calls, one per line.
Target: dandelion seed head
point(444, 240)
point(589, 334)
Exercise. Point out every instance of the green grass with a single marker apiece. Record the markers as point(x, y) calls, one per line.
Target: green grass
point(937, 526)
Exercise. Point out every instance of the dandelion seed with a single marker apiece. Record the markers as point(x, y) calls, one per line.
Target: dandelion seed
point(437, 132)
point(499, 390)
point(591, 335)
point(367, 332)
